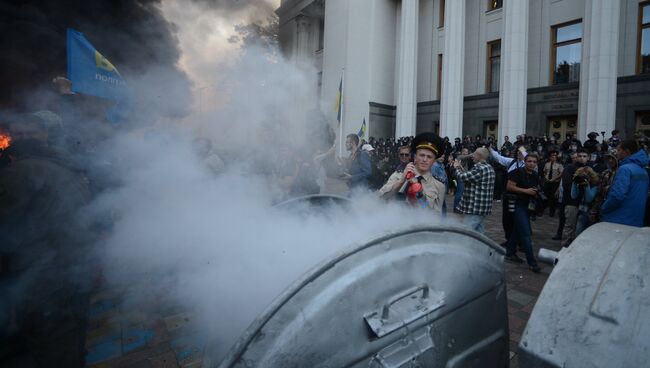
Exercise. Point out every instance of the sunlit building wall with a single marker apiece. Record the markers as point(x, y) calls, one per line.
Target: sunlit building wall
point(472, 67)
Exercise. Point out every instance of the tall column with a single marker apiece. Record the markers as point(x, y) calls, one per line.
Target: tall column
point(514, 62)
point(453, 70)
point(599, 67)
point(407, 72)
point(301, 46)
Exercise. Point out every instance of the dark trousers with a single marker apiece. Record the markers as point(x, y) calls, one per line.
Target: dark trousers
point(521, 234)
point(507, 218)
point(549, 191)
point(560, 225)
point(498, 184)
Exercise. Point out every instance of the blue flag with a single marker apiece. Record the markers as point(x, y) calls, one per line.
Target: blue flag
point(90, 72)
point(362, 130)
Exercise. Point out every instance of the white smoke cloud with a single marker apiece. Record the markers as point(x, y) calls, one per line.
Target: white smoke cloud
point(215, 244)
point(204, 30)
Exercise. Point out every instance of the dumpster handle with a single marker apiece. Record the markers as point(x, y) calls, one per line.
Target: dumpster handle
point(402, 295)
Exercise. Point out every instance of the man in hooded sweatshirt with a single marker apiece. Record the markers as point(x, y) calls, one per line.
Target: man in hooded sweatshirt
point(626, 199)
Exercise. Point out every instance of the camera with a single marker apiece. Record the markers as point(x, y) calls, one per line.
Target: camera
point(581, 179)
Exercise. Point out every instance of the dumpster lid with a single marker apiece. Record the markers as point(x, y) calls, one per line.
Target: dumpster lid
point(372, 295)
point(595, 307)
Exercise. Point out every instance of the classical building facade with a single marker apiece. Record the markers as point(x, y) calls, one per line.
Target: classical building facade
point(489, 67)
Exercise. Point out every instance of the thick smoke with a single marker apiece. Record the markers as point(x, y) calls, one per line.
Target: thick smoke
point(206, 236)
point(215, 243)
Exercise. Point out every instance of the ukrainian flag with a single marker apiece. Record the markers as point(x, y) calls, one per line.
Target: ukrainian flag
point(90, 72)
point(362, 130)
point(339, 101)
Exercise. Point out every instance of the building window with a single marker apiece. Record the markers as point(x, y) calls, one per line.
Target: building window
point(493, 66)
point(491, 129)
point(439, 87)
point(566, 52)
point(643, 122)
point(643, 58)
point(441, 15)
point(495, 4)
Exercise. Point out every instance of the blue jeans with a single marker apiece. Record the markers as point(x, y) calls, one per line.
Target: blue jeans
point(459, 192)
point(474, 222)
point(521, 234)
point(583, 221)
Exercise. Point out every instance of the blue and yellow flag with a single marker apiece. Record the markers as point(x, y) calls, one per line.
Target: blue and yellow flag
point(90, 72)
point(339, 101)
point(362, 130)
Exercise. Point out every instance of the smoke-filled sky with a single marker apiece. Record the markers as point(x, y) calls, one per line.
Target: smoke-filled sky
point(204, 29)
point(181, 38)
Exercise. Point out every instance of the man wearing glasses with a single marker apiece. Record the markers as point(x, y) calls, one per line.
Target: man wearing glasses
point(404, 156)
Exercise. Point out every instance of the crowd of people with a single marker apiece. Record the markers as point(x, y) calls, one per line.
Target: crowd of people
point(582, 182)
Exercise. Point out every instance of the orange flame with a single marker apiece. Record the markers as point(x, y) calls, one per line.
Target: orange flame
point(5, 141)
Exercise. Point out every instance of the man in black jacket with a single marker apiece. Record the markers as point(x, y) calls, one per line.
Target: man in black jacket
point(523, 183)
point(590, 144)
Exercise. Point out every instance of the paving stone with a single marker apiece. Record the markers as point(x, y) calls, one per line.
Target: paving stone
point(166, 360)
point(135, 338)
point(104, 351)
point(520, 297)
point(105, 333)
point(521, 314)
point(189, 349)
point(145, 363)
point(174, 322)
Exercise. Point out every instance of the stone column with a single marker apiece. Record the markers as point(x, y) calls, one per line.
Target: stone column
point(407, 72)
point(453, 71)
point(514, 62)
point(599, 67)
point(301, 50)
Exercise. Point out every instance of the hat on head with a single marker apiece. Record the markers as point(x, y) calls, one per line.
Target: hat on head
point(366, 147)
point(430, 141)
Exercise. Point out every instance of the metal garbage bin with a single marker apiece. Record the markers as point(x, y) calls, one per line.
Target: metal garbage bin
point(594, 310)
point(424, 297)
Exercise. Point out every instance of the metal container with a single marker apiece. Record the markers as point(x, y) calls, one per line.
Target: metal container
point(313, 201)
point(425, 297)
point(594, 310)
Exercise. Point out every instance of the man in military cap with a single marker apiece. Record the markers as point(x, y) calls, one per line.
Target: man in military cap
point(416, 182)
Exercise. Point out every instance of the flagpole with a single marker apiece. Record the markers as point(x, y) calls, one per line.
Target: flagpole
point(341, 139)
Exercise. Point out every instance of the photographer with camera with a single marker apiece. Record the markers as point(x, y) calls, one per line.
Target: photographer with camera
point(570, 204)
point(584, 189)
point(523, 183)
